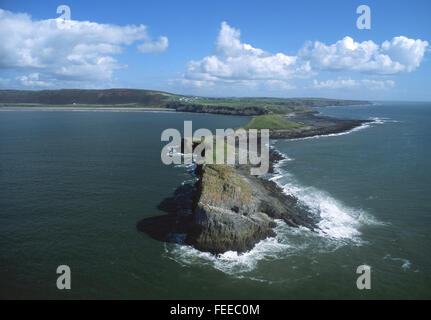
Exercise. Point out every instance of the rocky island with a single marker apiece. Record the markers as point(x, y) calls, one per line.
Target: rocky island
point(228, 209)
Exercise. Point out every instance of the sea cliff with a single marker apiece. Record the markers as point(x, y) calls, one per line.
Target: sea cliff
point(228, 209)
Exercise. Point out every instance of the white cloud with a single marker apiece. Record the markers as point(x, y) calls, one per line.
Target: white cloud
point(351, 84)
point(234, 60)
point(399, 55)
point(154, 47)
point(408, 52)
point(236, 63)
point(73, 51)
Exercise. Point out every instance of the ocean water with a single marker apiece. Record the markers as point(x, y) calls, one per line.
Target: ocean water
point(73, 186)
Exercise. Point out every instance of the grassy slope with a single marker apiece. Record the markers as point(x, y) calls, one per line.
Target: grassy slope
point(77, 97)
point(273, 122)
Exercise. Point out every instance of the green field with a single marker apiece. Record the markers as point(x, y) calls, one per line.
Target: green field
point(272, 122)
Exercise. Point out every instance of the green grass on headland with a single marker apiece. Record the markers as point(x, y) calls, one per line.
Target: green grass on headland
point(272, 122)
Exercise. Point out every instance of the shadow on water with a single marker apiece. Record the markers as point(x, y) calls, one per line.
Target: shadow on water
point(171, 227)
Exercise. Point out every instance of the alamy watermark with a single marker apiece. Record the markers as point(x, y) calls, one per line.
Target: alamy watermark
point(63, 20)
point(364, 280)
point(364, 20)
point(64, 280)
point(227, 146)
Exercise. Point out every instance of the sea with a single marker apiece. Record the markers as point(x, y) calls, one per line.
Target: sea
point(75, 184)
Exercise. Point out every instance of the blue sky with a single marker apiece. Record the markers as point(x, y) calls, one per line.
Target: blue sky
point(221, 48)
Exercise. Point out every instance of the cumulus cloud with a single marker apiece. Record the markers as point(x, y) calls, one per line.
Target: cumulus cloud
point(408, 52)
point(399, 55)
point(68, 50)
point(350, 84)
point(235, 62)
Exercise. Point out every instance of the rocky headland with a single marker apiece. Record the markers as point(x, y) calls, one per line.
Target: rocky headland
point(226, 209)
point(230, 209)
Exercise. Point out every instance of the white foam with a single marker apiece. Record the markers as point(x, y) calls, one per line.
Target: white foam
point(276, 177)
point(233, 263)
point(339, 226)
point(285, 156)
point(337, 220)
point(406, 264)
point(363, 126)
point(377, 120)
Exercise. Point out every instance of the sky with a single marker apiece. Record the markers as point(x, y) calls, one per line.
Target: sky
point(220, 48)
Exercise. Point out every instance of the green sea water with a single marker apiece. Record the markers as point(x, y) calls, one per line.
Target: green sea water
point(74, 185)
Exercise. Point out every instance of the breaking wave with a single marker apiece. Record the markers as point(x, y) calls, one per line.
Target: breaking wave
point(339, 226)
point(338, 221)
point(363, 126)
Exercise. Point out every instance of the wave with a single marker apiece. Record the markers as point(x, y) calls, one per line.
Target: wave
point(406, 264)
point(338, 221)
point(339, 226)
point(378, 120)
point(281, 246)
point(374, 120)
point(361, 127)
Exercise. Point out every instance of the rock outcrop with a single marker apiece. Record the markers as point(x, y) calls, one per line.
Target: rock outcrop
point(317, 125)
point(227, 209)
point(226, 214)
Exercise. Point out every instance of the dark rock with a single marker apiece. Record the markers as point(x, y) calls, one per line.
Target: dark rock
point(226, 215)
point(229, 209)
point(316, 125)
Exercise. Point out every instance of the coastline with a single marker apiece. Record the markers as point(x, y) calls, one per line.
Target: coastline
point(228, 209)
point(150, 100)
point(222, 215)
point(316, 125)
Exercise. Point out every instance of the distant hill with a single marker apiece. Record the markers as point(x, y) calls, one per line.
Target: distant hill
point(78, 96)
point(149, 98)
